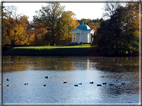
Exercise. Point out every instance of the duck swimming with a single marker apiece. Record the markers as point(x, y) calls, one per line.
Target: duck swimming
point(99, 85)
point(91, 82)
point(46, 76)
point(26, 84)
point(123, 83)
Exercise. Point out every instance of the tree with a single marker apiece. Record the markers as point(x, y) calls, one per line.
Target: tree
point(49, 16)
point(110, 9)
point(5, 24)
point(117, 35)
point(94, 26)
point(53, 25)
point(84, 21)
point(67, 22)
point(14, 27)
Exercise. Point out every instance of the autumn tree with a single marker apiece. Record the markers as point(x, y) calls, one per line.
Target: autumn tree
point(5, 24)
point(67, 22)
point(14, 27)
point(49, 16)
point(40, 31)
point(54, 25)
point(94, 26)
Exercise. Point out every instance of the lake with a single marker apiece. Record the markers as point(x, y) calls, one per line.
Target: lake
point(71, 80)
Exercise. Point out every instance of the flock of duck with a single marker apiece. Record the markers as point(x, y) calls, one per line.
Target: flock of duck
point(74, 85)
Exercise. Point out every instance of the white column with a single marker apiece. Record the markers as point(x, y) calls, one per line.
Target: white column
point(80, 37)
point(72, 37)
point(88, 35)
point(76, 37)
point(90, 38)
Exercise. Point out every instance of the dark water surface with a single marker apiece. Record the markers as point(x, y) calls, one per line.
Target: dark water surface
point(73, 70)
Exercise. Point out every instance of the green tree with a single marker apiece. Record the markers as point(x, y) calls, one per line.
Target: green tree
point(84, 21)
point(117, 35)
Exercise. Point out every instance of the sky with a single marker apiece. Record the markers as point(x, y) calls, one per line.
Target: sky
point(82, 10)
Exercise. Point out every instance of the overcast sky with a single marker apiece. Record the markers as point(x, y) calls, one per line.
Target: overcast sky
point(82, 10)
point(92, 10)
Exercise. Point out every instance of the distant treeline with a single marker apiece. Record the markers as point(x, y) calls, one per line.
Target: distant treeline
point(51, 26)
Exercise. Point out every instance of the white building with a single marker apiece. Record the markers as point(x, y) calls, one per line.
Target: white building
point(83, 34)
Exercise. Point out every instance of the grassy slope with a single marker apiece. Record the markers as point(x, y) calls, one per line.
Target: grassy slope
point(73, 50)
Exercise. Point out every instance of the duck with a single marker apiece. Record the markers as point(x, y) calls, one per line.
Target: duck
point(8, 85)
point(91, 82)
point(111, 84)
point(80, 83)
point(104, 83)
point(123, 83)
point(44, 85)
point(26, 84)
point(65, 82)
point(46, 76)
point(75, 85)
point(99, 85)
point(7, 79)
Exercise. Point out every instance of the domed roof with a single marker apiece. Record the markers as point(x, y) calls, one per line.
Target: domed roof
point(83, 27)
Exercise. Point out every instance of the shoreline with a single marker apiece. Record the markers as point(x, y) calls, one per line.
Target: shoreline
point(58, 52)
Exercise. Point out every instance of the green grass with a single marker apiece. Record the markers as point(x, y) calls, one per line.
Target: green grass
point(54, 47)
point(65, 50)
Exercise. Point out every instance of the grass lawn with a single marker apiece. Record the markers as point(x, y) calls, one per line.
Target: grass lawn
point(65, 50)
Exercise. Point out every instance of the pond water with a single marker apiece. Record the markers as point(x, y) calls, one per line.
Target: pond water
point(109, 72)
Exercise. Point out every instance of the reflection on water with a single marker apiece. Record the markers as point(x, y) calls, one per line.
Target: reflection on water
point(121, 75)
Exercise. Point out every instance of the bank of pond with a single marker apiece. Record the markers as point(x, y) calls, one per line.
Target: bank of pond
point(64, 50)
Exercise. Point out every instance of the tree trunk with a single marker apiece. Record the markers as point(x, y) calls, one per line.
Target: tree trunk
point(53, 32)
